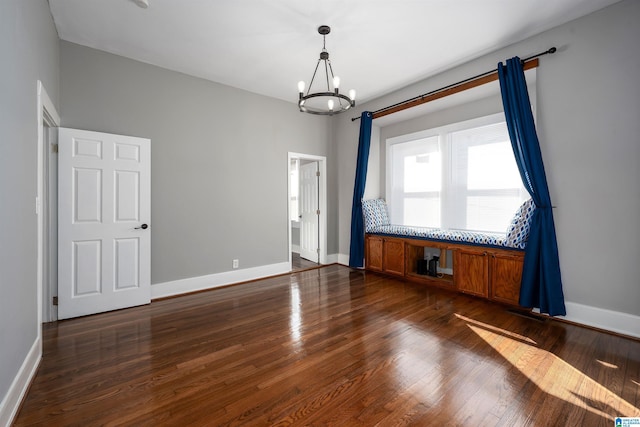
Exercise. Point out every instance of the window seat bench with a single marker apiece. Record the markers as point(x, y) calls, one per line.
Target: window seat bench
point(487, 265)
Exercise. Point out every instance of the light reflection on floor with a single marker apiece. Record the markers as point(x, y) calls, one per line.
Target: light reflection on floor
point(295, 318)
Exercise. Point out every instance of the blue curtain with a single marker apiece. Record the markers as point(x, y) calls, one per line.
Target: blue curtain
point(356, 251)
point(541, 282)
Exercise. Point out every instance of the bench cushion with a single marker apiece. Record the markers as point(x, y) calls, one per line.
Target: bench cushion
point(454, 236)
point(375, 213)
point(376, 221)
point(518, 230)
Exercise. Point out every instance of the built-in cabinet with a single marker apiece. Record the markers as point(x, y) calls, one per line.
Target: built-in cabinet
point(480, 271)
point(385, 254)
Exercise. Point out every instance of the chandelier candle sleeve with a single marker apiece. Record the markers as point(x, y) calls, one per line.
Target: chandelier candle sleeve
point(324, 102)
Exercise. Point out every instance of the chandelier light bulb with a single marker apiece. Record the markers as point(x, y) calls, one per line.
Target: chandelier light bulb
point(336, 82)
point(330, 104)
point(352, 94)
point(301, 86)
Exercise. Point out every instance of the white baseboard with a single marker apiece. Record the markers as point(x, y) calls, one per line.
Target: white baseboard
point(295, 248)
point(343, 259)
point(614, 321)
point(332, 258)
point(192, 284)
point(11, 401)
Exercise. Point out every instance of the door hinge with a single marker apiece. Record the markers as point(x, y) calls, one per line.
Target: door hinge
point(55, 300)
point(318, 212)
point(317, 173)
point(54, 148)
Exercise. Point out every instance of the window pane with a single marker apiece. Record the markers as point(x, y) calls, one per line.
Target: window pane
point(416, 176)
point(422, 173)
point(492, 166)
point(422, 212)
point(485, 177)
point(491, 213)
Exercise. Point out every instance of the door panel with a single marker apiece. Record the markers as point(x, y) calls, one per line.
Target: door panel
point(103, 198)
point(471, 272)
point(309, 211)
point(506, 275)
point(373, 253)
point(393, 256)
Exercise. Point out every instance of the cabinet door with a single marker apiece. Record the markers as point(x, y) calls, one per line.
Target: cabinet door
point(506, 274)
point(393, 256)
point(471, 272)
point(373, 253)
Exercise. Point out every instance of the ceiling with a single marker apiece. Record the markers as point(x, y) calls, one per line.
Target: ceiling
point(266, 47)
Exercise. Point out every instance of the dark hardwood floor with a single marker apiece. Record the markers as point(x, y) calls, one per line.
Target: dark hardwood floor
point(331, 346)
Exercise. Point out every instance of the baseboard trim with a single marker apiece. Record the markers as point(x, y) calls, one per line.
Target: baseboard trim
point(20, 385)
point(600, 318)
point(211, 281)
point(332, 258)
point(343, 259)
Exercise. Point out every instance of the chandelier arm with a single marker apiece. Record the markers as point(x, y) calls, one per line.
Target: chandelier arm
point(314, 76)
point(326, 72)
point(332, 75)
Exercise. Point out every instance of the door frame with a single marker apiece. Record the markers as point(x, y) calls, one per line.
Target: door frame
point(47, 117)
point(322, 193)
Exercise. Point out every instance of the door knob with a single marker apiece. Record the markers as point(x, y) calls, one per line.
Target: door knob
point(143, 226)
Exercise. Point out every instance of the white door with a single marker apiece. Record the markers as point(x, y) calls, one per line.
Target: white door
point(309, 213)
point(104, 238)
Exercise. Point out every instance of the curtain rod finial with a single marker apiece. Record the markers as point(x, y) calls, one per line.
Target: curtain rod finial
point(552, 50)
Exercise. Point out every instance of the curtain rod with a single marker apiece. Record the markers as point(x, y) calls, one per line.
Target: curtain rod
point(462, 85)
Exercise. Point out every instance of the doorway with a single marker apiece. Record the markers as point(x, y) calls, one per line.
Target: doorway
point(46, 206)
point(306, 211)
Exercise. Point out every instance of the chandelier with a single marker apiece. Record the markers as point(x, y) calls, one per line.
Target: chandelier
point(332, 101)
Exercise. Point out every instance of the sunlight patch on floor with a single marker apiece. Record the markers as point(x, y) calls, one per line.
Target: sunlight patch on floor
point(552, 374)
point(498, 330)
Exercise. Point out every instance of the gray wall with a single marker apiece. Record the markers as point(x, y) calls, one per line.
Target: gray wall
point(29, 51)
point(588, 124)
point(219, 158)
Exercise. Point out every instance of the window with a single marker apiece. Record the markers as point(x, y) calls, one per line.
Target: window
point(462, 176)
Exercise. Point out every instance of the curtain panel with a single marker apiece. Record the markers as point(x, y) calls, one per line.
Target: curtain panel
point(356, 249)
point(541, 280)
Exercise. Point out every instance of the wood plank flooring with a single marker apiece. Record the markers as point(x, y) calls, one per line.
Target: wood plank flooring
point(331, 346)
point(298, 263)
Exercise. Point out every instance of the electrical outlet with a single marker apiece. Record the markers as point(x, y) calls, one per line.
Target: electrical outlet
point(236, 263)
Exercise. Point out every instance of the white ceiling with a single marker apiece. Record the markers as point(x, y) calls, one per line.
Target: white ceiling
point(266, 47)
